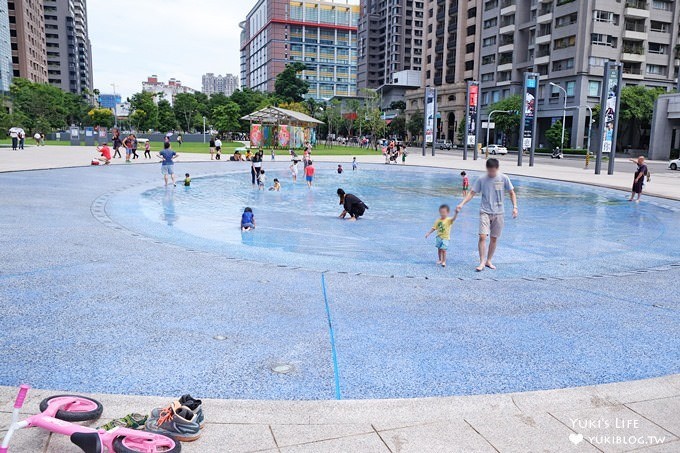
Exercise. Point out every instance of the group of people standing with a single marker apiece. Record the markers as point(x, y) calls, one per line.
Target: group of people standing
point(131, 144)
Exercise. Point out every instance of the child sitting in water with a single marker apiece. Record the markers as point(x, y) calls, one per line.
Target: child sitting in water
point(187, 180)
point(340, 170)
point(247, 220)
point(276, 187)
point(443, 228)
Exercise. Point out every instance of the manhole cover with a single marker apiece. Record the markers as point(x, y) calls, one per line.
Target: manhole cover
point(282, 368)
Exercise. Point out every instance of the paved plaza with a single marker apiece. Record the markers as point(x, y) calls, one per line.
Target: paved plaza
point(114, 305)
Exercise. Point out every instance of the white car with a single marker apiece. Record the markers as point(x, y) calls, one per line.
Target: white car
point(497, 149)
point(674, 165)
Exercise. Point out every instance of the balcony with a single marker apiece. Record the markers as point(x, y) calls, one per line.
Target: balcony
point(545, 59)
point(632, 72)
point(504, 67)
point(637, 9)
point(544, 39)
point(508, 7)
point(506, 29)
point(545, 18)
point(635, 31)
point(633, 53)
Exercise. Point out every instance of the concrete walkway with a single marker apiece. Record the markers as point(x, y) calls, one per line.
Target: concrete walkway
point(666, 184)
point(632, 416)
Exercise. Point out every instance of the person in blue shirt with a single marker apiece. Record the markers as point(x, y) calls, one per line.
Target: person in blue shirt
point(247, 220)
point(168, 163)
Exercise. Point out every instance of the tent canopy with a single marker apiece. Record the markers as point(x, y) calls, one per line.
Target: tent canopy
point(276, 115)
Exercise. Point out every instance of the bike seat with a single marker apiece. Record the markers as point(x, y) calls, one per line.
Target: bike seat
point(88, 442)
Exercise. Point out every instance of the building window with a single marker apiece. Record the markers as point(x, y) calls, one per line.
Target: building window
point(571, 88)
point(598, 39)
point(662, 5)
point(563, 65)
point(490, 41)
point(488, 77)
point(594, 88)
point(563, 43)
point(657, 48)
point(490, 23)
point(660, 27)
point(656, 69)
point(563, 21)
point(605, 16)
point(489, 59)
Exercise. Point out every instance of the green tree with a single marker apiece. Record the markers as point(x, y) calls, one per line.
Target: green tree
point(507, 123)
point(147, 119)
point(36, 100)
point(288, 86)
point(637, 108)
point(101, 117)
point(398, 105)
point(371, 117)
point(554, 135)
point(462, 129)
point(186, 108)
point(333, 116)
point(397, 126)
point(226, 117)
point(166, 117)
point(416, 124)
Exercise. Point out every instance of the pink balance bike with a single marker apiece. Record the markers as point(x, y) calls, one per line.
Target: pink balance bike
point(57, 413)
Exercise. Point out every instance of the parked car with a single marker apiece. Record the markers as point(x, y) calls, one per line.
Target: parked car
point(497, 149)
point(444, 144)
point(675, 164)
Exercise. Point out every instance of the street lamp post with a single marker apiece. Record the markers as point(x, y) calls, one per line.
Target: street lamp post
point(488, 127)
point(204, 129)
point(564, 111)
point(115, 107)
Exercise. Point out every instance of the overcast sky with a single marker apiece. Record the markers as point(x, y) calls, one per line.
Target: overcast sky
point(133, 39)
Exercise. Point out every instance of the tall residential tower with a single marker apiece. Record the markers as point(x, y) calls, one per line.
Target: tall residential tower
point(27, 38)
point(69, 53)
point(390, 40)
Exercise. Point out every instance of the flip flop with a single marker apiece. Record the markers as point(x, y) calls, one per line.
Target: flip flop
point(492, 267)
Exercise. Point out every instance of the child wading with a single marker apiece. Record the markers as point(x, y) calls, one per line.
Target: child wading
point(187, 180)
point(466, 183)
point(443, 228)
point(247, 220)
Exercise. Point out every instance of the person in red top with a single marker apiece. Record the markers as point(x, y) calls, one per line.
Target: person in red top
point(309, 174)
point(105, 152)
point(466, 184)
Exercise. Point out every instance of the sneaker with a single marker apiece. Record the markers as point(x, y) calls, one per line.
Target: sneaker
point(176, 421)
point(193, 404)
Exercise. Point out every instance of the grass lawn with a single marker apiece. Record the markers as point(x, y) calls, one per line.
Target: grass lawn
point(227, 148)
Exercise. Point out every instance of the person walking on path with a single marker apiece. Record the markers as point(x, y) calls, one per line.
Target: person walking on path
point(14, 135)
point(168, 157)
point(492, 187)
point(147, 149)
point(639, 179)
point(212, 148)
point(22, 139)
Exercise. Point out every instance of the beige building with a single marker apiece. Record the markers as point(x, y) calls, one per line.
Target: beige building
point(451, 58)
point(27, 36)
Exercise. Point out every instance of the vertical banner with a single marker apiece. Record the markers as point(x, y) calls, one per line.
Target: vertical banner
point(284, 136)
point(430, 117)
point(527, 136)
point(471, 118)
point(609, 115)
point(256, 137)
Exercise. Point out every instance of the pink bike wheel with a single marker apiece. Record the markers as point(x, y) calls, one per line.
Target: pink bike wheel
point(75, 408)
point(146, 442)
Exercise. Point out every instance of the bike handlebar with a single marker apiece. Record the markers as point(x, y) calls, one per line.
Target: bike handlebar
point(21, 396)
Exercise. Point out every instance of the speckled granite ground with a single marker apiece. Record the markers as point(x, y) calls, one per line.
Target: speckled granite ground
point(102, 307)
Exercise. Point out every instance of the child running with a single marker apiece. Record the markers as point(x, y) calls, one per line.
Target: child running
point(247, 220)
point(466, 183)
point(294, 169)
point(354, 164)
point(443, 228)
point(309, 174)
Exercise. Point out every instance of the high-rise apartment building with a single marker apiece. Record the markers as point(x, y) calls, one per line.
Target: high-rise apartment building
point(6, 69)
point(391, 36)
point(451, 57)
point(69, 53)
point(567, 42)
point(225, 84)
point(322, 34)
point(27, 38)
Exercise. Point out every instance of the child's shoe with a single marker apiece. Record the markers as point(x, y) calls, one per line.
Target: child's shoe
point(176, 421)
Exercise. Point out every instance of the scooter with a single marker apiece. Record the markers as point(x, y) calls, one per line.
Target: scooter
point(557, 154)
point(57, 413)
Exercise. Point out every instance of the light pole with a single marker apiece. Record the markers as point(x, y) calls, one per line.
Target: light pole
point(115, 107)
point(204, 129)
point(564, 112)
point(488, 127)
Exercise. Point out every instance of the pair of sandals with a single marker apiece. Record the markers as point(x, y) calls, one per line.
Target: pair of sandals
point(130, 421)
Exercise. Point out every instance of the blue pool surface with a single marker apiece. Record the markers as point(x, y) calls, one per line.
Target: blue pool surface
point(110, 282)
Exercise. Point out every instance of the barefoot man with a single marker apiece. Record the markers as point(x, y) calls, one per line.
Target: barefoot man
point(492, 186)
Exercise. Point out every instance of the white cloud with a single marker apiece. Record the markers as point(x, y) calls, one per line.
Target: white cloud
point(133, 39)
